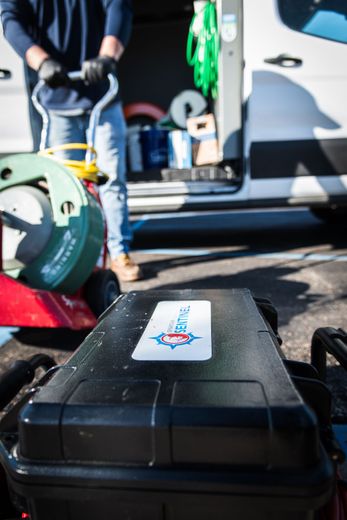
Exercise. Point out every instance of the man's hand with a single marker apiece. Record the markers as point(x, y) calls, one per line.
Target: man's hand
point(97, 69)
point(53, 73)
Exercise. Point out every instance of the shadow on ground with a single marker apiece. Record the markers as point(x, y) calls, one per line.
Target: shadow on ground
point(264, 231)
point(267, 282)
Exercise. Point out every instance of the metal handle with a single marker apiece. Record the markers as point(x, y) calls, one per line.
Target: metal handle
point(5, 74)
point(94, 115)
point(328, 339)
point(285, 60)
point(96, 111)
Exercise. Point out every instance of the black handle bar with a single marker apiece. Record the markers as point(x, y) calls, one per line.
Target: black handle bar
point(333, 341)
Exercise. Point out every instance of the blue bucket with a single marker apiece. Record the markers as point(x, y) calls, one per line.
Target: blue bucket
point(154, 143)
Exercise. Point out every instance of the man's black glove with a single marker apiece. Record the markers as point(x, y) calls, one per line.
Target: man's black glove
point(97, 69)
point(53, 73)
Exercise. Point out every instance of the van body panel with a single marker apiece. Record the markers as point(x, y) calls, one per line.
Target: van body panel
point(296, 102)
point(14, 121)
point(299, 110)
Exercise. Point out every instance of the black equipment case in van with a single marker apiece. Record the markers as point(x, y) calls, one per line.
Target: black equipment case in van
point(177, 406)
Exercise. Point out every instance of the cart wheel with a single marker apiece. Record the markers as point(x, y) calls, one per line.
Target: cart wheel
point(101, 289)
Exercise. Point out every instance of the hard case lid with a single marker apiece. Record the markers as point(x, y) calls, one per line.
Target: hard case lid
point(174, 378)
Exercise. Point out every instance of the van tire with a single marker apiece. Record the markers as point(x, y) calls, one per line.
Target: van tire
point(333, 215)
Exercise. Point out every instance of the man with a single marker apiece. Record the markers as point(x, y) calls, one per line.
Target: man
point(57, 36)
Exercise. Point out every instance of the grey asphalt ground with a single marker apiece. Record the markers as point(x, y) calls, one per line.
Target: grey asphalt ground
point(289, 257)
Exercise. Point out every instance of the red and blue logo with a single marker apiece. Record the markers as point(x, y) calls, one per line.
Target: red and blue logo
point(178, 334)
point(175, 339)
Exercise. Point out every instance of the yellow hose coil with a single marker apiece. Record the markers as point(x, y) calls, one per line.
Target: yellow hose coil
point(82, 170)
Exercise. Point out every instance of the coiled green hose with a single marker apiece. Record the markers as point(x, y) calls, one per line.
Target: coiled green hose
point(203, 50)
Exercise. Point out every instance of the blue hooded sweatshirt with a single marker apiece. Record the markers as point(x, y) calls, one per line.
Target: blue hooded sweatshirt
point(70, 31)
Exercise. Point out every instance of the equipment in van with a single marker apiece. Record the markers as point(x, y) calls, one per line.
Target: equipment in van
point(180, 405)
point(180, 149)
point(203, 47)
point(154, 147)
point(188, 103)
point(136, 114)
point(176, 152)
point(54, 232)
point(204, 139)
point(142, 109)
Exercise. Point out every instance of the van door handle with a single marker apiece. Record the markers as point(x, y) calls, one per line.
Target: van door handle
point(285, 60)
point(5, 74)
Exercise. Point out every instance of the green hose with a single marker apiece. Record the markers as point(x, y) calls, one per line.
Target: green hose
point(203, 50)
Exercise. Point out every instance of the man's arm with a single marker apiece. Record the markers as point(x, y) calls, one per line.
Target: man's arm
point(35, 56)
point(16, 18)
point(112, 47)
point(117, 27)
point(18, 22)
point(116, 36)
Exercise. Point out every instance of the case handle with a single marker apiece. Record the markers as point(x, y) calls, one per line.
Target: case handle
point(333, 341)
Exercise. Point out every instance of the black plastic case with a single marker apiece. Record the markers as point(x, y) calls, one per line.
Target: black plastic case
point(227, 437)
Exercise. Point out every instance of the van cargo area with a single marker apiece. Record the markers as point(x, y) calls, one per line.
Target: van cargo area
point(156, 58)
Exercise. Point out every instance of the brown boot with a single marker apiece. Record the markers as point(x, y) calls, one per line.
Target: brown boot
point(126, 269)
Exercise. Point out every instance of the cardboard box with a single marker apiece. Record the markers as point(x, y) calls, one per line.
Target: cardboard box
point(204, 139)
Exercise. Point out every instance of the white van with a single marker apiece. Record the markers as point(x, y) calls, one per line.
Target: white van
point(281, 111)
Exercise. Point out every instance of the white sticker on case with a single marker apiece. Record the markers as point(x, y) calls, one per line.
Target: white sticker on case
point(177, 331)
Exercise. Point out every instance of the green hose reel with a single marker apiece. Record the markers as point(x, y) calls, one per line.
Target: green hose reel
point(203, 48)
point(54, 228)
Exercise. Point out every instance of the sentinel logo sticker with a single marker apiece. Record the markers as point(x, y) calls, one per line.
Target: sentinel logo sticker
point(177, 331)
point(174, 340)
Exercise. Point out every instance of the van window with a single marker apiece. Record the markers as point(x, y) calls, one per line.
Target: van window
point(322, 18)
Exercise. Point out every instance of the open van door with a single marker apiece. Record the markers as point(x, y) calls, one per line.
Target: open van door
point(295, 55)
